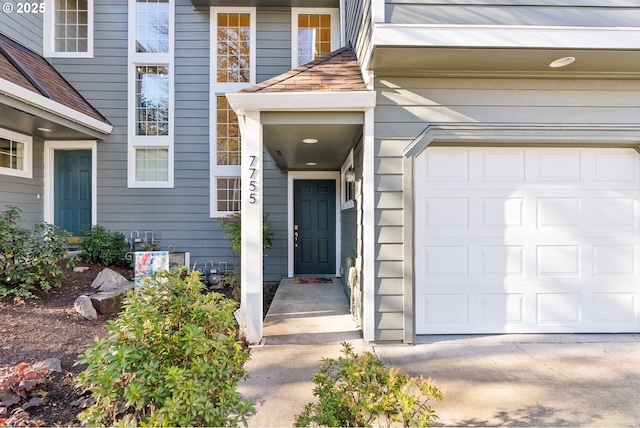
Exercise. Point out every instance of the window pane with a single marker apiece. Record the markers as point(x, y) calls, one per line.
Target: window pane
point(152, 164)
point(314, 36)
point(71, 22)
point(233, 48)
point(152, 100)
point(152, 26)
point(11, 154)
point(228, 194)
point(228, 134)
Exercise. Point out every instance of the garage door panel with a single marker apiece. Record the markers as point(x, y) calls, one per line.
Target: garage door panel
point(554, 250)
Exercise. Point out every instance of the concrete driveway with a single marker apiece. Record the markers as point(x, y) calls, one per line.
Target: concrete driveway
point(499, 380)
point(528, 380)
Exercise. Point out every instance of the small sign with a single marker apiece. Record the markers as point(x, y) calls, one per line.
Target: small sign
point(150, 262)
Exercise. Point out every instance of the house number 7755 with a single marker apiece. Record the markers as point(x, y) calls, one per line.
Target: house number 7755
point(253, 185)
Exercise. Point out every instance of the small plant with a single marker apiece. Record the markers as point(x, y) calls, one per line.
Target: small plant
point(169, 359)
point(357, 390)
point(28, 257)
point(100, 245)
point(21, 385)
point(232, 224)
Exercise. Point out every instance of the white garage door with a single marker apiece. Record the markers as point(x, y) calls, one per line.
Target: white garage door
point(526, 240)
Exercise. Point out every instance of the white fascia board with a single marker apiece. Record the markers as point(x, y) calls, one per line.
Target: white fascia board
point(314, 101)
point(502, 36)
point(26, 96)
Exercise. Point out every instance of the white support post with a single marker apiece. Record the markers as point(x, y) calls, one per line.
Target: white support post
point(251, 258)
point(368, 225)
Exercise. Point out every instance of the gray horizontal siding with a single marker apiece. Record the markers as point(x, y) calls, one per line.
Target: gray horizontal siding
point(23, 192)
point(273, 55)
point(24, 28)
point(493, 12)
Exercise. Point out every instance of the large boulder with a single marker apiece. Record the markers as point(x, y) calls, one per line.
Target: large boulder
point(108, 280)
point(108, 302)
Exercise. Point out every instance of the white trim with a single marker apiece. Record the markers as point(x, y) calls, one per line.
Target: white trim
point(49, 175)
point(348, 164)
point(11, 90)
point(220, 89)
point(377, 11)
point(310, 175)
point(49, 40)
point(27, 172)
point(335, 29)
point(165, 59)
point(368, 228)
point(315, 101)
point(505, 36)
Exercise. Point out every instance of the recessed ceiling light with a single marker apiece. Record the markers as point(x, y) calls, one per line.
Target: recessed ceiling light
point(562, 62)
point(44, 129)
point(311, 163)
point(309, 141)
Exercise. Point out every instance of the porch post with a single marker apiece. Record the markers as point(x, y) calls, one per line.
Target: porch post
point(251, 233)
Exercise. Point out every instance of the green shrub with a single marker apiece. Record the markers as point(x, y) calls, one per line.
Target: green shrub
point(356, 391)
point(170, 359)
point(100, 245)
point(28, 257)
point(232, 224)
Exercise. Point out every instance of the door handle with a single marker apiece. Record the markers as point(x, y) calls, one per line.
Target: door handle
point(295, 236)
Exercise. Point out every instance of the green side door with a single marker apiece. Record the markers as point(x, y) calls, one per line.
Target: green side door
point(72, 190)
point(315, 226)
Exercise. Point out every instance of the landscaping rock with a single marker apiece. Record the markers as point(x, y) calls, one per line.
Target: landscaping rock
point(108, 280)
point(51, 364)
point(85, 308)
point(108, 302)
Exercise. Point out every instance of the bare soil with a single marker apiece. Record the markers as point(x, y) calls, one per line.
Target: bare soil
point(49, 327)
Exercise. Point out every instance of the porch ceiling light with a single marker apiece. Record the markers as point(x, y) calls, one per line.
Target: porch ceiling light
point(310, 141)
point(311, 163)
point(44, 129)
point(562, 62)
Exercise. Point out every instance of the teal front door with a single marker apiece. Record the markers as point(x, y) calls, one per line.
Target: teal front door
point(314, 227)
point(72, 190)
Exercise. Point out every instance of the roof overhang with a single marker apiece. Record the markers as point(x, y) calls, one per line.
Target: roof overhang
point(25, 111)
point(334, 119)
point(504, 49)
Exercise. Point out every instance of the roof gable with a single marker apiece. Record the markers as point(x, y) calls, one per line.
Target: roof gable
point(337, 71)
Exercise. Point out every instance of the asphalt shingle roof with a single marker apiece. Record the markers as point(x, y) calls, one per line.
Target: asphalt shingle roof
point(337, 71)
point(29, 70)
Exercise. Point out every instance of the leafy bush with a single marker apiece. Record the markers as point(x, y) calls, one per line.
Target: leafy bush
point(100, 245)
point(170, 359)
point(232, 224)
point(28, 257)
point(356, 391)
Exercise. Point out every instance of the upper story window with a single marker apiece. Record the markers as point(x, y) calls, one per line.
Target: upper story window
point(151, 100)
point(314, 34)
point(228, 146)
point(68, 28)
point(233, 54)
point(15, 154)
point(152, 26)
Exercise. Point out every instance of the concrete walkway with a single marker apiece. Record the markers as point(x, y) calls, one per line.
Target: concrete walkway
point(499, 380)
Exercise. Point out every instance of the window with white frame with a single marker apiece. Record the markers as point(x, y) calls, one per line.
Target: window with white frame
point(68, 28)
point(16, 154)
point(347, 183)
point(150, 134)
point(314, 32)
point(233, 40)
